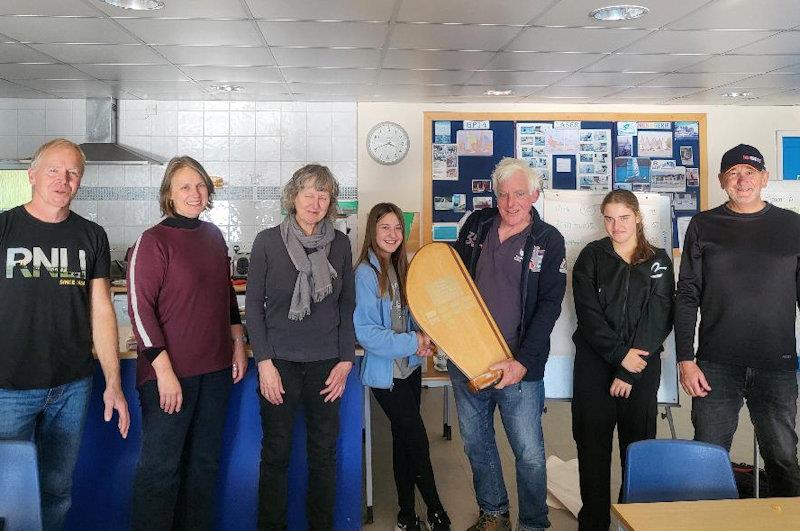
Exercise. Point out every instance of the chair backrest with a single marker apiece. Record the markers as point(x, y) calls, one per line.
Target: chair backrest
point(19, 486)
point(674, 470)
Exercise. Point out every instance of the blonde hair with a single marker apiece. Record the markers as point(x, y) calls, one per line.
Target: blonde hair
point(58, 143)
point(508, 166)
point(185, 161)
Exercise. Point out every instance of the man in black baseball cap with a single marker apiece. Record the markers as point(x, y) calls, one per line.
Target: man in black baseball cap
point(741, 267)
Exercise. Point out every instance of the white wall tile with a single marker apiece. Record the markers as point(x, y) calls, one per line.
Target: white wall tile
point(116, 235)
point(345, 149)
point(219, 214)
point(190, 105)
point(131, 233)
point(294, 106)
point(267, 174)
point(132, 124)
point(243, 123)
point(137, 213)
point(87, 209)
point(320, 106)
point(268, 148)
point(89, 178)
point(111, 176)
point(111, 213)
point(8, 123)
point(241, 213)
point(8, 147)
point(344, 106)
point(59, 122)
point(243, 106)
point(140, 143)
point(217, 123)
point(293, 147)
point(157, 175)
point(216, 105)
point(217, 169)
point(241, 173)
point(243, 148)
point(268, 123)
point(58, 105)
point(79, 120)
point(345, 172)
point(31, 103)
point(164, 146)
point(319, 149)
point(319, 123)
point(9, 103)
point(293, 124)
point(288, 168)
point(165, 123)
point(137, 177)
point(345, 124)
point(268, 106)
point(216, 148)
point(31, 122)
point(27, 145)
point(190, 145)
point(190, 123)
point(268, 213)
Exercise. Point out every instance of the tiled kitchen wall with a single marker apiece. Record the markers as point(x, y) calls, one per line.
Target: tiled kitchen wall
point(254, 146)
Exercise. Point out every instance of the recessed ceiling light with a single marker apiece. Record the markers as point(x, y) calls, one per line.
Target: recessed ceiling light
point(620, 12)
point(498, 93)
point(227, 88)
point(138, 5)
point(736, 95)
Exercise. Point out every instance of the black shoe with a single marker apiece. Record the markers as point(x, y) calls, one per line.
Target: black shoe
point(438, 520)
point(413, 524)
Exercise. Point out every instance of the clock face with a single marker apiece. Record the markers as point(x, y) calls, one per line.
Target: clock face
point(387, 143)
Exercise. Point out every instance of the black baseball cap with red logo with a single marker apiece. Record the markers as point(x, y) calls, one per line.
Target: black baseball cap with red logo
point(742, 154)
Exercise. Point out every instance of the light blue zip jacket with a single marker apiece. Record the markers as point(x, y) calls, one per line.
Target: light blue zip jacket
point(373, 322)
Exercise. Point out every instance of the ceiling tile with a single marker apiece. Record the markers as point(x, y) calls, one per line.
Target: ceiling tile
point(518, 90)
point(23, 71)
point(604, 79)
point(657, 92)
point(350, 58)
point(694, 80)
point(55, 29)
point(46, 7)
point(689, 41)
point(541, 61)
point(216, 55)
point(181, 9)
point(263, 74)
point(791, 97)
point(644, 63)
point(577, 92)
point(50, 85)
point(435, 59)
point(451, 37)
point(205, 32)
point(776, 81)
point(100, 53)
point(329, 75)
point(495, 77)
point(88, 92)
point(475, 11)
point(324, 34)
point(322, 9)
point(743, 14)
point(331, 88)
point(576, 13)
point(391, 76)
point(253, 88)
point(13, 90)
point(575, 39)
point(711, 97)
point(20, 53)
point(744, 63)
point(782, 43)
point(134, 72)
point(417, 90)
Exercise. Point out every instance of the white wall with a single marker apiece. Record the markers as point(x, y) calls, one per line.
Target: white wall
point(402, 183)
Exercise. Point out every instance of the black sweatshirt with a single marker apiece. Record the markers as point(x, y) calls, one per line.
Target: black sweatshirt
point(620, 306)
point(743, 272)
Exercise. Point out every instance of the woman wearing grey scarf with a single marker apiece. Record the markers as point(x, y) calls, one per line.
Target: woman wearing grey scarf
point(299, 309)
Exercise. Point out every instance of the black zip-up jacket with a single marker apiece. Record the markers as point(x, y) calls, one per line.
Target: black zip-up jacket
point(541, 291)
point(621, 306)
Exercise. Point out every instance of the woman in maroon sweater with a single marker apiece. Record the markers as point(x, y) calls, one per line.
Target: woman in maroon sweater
point(191, 349)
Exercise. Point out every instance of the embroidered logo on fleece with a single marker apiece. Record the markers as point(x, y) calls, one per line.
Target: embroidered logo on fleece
point(537, 257)
point(472, 238)
point(657, 269)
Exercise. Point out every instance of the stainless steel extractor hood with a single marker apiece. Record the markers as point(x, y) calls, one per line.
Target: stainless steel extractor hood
point(101, 137)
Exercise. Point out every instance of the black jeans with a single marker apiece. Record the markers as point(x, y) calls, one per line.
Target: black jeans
point(302, 383)
point(411, 458)
point(176, 481)
point(594, 414)
point(772, 400)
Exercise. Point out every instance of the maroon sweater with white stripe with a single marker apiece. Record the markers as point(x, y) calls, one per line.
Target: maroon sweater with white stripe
point(180, 298)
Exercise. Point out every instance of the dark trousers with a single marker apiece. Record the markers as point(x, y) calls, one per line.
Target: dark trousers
point(594, 414)
point(175, 483)
point(411, 458)
point(772, 400)
point(302, 383)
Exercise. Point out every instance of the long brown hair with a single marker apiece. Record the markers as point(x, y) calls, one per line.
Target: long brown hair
point(644, 249)
point(398, 258)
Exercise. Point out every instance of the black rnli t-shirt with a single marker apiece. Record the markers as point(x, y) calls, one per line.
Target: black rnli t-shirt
point(44, 298)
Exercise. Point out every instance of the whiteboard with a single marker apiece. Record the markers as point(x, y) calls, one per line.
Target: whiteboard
point(576, 214)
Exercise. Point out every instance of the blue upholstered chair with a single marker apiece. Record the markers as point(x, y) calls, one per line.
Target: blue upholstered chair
point(19, 486)
point(661, 470)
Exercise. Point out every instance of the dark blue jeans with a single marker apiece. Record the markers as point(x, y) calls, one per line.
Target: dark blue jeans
point(521, 407)
point(53, 418)
point(772, 401)
point(176, 480)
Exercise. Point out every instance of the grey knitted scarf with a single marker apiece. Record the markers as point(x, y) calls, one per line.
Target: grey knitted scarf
point(315, 272)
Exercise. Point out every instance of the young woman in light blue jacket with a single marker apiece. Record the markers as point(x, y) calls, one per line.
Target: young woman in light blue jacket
point(392, 361)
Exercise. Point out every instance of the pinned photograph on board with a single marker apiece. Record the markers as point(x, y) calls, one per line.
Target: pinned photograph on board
point(481, 201)
point(687, 130)
point(585, 135)
point(655, 144)
point(692, 176)
point(481, 186)
point(445, 162)
point(668, 180)
point(684, 201)
point(625, 146)
point(687, 156)
point(626, 128)
point(586, 157)
point(630, 171)
point(475, 142)
point(657, 164)
point(442, 203)
point(600, 134)
point(459, 203)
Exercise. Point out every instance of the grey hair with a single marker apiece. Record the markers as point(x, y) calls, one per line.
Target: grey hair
point(57, 143)
point(324, 181)
point(508, 166)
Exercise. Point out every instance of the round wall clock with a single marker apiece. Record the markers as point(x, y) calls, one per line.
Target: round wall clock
point(387, 143)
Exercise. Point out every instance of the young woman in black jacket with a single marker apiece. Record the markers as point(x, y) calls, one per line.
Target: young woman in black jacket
point(623, 289)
